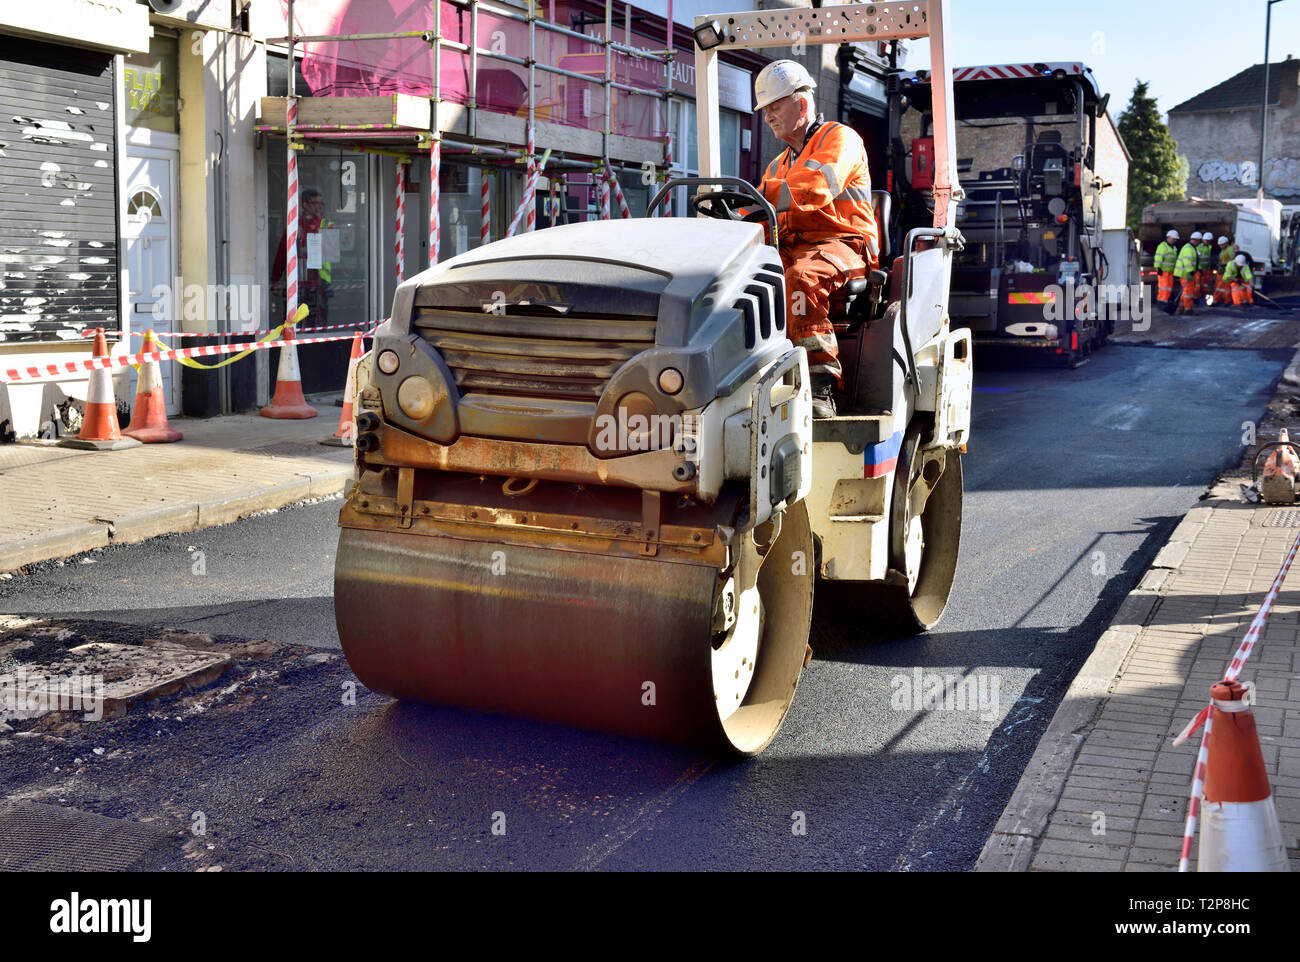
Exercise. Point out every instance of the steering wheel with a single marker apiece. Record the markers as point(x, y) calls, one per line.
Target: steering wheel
point(726, 204)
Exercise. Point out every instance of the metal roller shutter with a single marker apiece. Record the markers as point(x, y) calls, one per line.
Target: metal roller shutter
point(58, 192)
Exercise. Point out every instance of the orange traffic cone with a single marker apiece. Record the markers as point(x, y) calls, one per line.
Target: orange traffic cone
point(149, 416)
point(1240, 831)
point(288, 401)
point(347, 431)
point(1278, 477)
point(99, 428)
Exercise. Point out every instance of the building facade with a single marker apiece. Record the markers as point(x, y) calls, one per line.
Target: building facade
point(1218, 131)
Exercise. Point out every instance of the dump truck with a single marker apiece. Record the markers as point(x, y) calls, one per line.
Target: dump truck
point(1038, 151)
point(589, 485)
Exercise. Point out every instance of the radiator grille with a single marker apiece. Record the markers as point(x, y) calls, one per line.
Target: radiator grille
point(537, 353)
point(763, 305)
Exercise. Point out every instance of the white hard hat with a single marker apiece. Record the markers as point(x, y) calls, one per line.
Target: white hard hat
point(780, 79)
point(1223, 240)
point(1241, 260)
point(1173, 234)
point(1196, 235)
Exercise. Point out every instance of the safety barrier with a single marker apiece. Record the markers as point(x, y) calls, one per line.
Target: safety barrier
point(362, 328)
point(62, 369)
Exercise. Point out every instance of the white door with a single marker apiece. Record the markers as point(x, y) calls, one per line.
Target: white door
point(148, 233)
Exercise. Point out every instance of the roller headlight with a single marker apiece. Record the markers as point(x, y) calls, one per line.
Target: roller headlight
point(388, 361)
point(670, 380)
point(641, 426)
point(415, 396)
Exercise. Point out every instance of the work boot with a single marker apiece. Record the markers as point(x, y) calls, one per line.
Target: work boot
point(823, 396)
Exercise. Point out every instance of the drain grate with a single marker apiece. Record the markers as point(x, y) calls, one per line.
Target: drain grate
point(1282, 518)
point(48, 838)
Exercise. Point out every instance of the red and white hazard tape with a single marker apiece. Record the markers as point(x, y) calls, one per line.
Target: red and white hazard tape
point(360, 328)
point(64, 368)
point(1203, 716)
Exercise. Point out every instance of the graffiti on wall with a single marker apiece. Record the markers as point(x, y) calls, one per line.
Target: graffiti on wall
point(1229, 172)
point(1281, 174)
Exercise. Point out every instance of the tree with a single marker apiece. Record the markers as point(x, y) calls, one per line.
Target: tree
point(1156, 171)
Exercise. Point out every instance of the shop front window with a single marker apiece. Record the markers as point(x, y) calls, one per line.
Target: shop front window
point(333, 236)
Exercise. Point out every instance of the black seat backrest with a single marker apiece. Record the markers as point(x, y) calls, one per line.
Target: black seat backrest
point(1047, 145)
point(881, 202)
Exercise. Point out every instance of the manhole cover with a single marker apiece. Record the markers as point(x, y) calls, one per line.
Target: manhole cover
point(47, 838)
point(1282, 518)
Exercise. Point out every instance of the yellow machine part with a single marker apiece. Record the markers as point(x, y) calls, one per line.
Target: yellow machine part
point(587, 633)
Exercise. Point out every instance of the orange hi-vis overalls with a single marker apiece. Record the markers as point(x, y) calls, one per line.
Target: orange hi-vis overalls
point(1223, 293)
point(1243, 285)
point(1185, 271)
point(1166, 257)
point(827, 232)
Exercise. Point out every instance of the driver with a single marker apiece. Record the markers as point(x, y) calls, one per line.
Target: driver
point(821, 188)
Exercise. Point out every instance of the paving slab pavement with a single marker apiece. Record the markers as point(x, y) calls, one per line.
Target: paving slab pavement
point(1106, 790)
point(58, 502)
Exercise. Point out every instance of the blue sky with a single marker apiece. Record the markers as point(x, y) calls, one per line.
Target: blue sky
point(1182, 47)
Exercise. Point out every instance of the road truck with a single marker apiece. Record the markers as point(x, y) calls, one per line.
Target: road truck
point(1041, 164)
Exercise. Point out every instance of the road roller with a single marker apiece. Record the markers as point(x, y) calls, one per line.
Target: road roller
point(590, 488)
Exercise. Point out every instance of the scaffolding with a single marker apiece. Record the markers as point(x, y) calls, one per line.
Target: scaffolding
point(404, 126)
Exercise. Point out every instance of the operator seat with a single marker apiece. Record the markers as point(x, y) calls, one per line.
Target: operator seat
point(848, 308)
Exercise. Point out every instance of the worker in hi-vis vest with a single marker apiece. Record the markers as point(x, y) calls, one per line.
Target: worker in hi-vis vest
point(1166, 257)
point(1185, 274)
point(1227, 251)
point(1223, 289)
point(1205, 265)
point(820, 186)
point(1242, 279)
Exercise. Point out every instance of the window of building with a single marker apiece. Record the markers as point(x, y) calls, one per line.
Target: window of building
point(333, 235)
point(684, 127)
point(149, 85)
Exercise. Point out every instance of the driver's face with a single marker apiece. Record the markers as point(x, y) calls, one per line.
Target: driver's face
point(783, 116)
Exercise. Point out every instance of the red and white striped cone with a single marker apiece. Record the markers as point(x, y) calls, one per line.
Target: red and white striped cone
point(99, 427)
point(1240, 831)
point(1277, 478)
point(347, 432)
point(288, 403)
point(149, 416)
